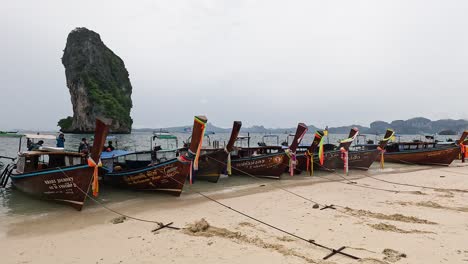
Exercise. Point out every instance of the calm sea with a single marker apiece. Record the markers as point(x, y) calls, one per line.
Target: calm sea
point(15, 203)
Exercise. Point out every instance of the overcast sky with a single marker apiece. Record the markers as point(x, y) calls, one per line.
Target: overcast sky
point(263, 62)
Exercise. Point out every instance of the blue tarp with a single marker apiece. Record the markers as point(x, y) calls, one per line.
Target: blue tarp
point(114, 154)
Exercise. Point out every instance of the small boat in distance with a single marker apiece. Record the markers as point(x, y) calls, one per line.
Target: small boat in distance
point(60, 176)
point(13, 134)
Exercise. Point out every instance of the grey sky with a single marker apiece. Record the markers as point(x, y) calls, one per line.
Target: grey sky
point(262, 62)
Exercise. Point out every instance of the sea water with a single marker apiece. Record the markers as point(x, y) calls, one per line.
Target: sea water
point(15, 203)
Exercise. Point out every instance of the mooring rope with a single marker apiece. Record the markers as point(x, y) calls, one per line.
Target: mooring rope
point(323, 177)
point(108, 208)
point(226, 206)
point(415, 185)
point(311, 241)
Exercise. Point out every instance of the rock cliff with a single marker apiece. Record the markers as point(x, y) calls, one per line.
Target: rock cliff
point(98, 83)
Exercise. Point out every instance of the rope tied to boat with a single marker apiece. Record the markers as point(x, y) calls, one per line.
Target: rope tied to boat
point(95, 185)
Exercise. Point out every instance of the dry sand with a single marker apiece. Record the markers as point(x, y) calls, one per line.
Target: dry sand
point(401, 225)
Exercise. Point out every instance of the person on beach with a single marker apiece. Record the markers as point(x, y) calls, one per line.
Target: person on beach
point(61, 140)
point(36, 146)
point(84, 146)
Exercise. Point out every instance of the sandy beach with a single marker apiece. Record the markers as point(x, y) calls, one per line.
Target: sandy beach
point(377, 221)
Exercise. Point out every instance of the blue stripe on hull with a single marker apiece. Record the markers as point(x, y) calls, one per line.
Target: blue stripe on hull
point(33, 174)
point(141, 170)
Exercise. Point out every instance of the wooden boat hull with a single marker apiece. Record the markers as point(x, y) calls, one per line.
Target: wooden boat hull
point(437, 156)
point(357, 160)
point(263, 166)
point(68, 185)
point(168, 177)
point(211, 165)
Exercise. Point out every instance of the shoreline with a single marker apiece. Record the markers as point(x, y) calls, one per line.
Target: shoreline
point(365, 217)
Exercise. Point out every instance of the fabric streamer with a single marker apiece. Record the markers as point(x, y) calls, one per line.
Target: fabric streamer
point(95, 185)
point(351, 139)
point(229, 166)
point(463, 152)
point(382, 151)
point(188, 159)
point(321, 154)
point(292, 161)
point(197, 156)
point(310, 162)
point(344, 157)
point(382, 162)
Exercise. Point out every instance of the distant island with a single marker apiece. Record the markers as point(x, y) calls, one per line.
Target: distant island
point(413, 126)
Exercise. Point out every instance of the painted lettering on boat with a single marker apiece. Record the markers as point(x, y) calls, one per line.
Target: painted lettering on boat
point(269, 162)
point(354, 157)
point(162, 175)
point(59, 184)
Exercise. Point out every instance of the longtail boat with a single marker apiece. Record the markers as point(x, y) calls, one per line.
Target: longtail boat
point(148, 175)
point(213, 162)
point(64, 177)
point(361, 157)
point(264, 161)
point(423, 153)
point(326, 160)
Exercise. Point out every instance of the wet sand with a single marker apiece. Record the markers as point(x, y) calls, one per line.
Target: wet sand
point(378, 221)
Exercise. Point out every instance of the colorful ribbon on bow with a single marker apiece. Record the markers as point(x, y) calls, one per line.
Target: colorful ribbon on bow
point(321, 153)
point(382, 150)
point(344, 157)
point(228, 166)
point(463, 151)
point(382, 162)
point(292, 161)
point(310, 162)
point(197, 156)
point(95, 185)
point(188, 159)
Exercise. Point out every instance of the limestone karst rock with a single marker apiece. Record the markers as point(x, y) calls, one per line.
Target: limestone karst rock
point(98, 83)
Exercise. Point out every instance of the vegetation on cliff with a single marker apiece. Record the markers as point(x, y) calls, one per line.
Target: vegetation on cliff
point(98, 83)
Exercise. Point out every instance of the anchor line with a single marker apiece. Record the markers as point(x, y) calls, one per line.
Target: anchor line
point(276, 186)
point(108, 208)
point(224, 205)
point(415, 185)
point(311, 241)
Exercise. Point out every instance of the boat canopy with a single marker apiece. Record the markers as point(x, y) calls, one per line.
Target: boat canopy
point(163, 135)
point(10, 134)
point(114, 154)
